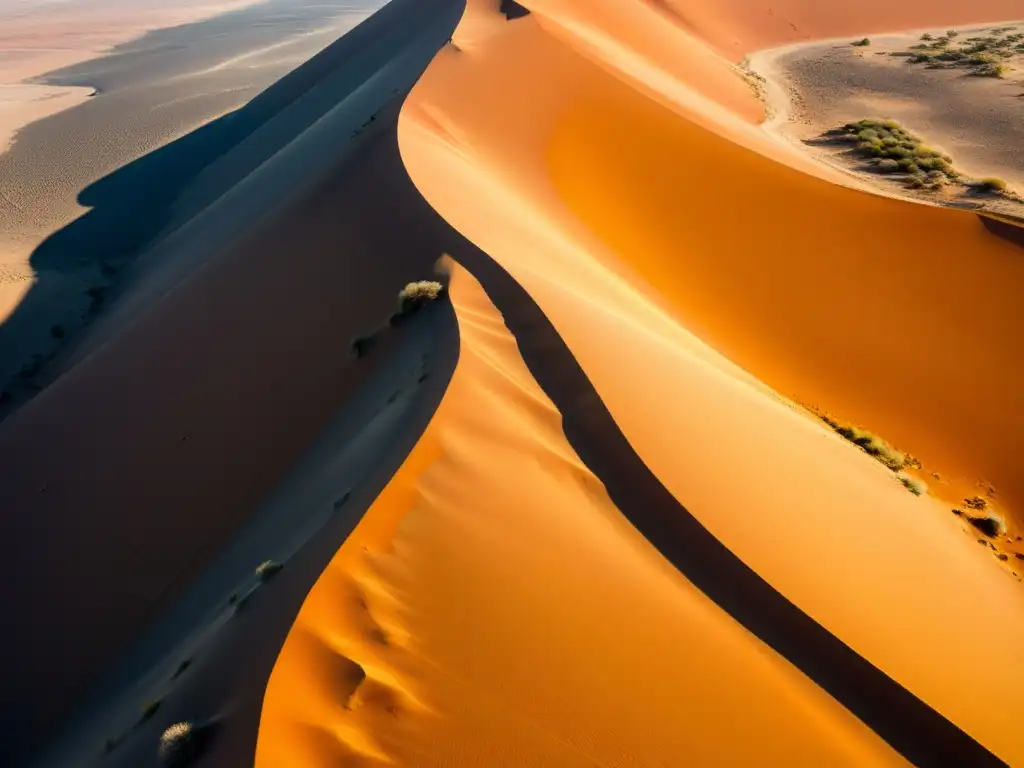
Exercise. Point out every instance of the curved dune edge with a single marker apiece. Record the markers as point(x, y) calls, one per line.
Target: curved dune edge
point(494, 608)
point(620, 220)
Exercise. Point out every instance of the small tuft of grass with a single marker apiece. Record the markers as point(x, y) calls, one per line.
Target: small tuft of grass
point(913, 485)
point(872, 445)
point(267, 570)
point(417, 295)
point(179, 745)
point(992, 184)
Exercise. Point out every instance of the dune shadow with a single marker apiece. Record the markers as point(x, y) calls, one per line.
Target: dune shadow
point(909, 725)
point(81, 268)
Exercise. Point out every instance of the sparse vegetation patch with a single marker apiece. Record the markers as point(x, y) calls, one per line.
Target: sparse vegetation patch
point(980, 56)
point(872, 445)
point(267, 570)
point(179, 745)
point(889, 149)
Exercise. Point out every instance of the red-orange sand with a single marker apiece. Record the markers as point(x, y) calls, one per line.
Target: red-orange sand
point(493, 607)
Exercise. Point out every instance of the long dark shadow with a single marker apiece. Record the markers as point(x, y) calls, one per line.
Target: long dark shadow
point(911, 727)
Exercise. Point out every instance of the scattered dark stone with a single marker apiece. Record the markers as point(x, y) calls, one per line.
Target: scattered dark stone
point(362, 346)
point(181, 669)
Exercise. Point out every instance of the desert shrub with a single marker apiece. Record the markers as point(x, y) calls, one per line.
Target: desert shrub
point(1002, 556)
point(991, 70)
point(863, 43)
point(917, 181)
point(992, 184)
point(952, 33)
point(418, 294)
point(920, 58)
point(990, 525)
point(888, 166)
point(913, 485)
point(870, 149)
point(267, 570)
point(179, 745)
point(898, 152)
point(871, 444)
point(868, 134)
point(909, 166)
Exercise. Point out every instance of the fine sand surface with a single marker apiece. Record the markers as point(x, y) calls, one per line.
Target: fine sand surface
point(39, 37)
point(151, 453)
point(84, 190)
point(974, 119)
point(534, 172)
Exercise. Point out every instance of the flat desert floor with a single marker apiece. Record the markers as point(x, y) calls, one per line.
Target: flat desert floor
point(975, 120)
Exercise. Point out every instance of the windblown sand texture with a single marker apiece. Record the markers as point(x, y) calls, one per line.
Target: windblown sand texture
point(619, 539)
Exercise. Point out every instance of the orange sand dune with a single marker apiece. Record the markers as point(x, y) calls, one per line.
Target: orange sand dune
point(496, 606)
point(738, 26)
point(893, 315)
point(454, 627)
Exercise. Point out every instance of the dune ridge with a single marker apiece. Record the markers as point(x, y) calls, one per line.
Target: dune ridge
point(426, 641)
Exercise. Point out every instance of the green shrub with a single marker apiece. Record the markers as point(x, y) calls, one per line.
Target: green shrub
point(888, 166)
point(913, 485)
point(992, 184)
point(871, 444)
point(863, 43)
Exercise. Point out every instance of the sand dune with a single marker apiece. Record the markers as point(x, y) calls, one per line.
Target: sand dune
point(150, 454)
point(441, 632)
point(545, 187)
point(621, 538)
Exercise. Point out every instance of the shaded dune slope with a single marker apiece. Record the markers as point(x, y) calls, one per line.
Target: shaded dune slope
point(131, 472)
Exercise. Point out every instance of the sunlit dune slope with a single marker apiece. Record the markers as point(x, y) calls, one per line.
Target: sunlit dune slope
point(642, 235)
point(494, 608)
point(737, 27)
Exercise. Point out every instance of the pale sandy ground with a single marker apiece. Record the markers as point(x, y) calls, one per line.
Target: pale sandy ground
point(496, 607)
point(153, 452)
point(39, 37)
point(76, 209)
point(816, 87)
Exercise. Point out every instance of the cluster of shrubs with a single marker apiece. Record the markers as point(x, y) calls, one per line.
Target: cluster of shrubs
point(877, 448)
point(892, 149)
point(981, 56)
